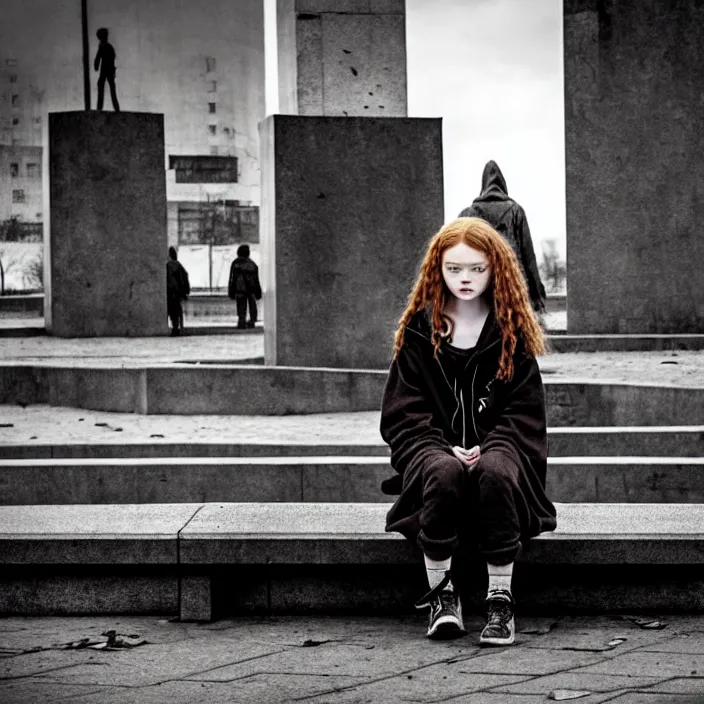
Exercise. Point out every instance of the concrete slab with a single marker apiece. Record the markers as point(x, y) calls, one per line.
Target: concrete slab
point(54, 431)
point(318, 479)
point(354, 533)
point(89, 534)
point(247, 389)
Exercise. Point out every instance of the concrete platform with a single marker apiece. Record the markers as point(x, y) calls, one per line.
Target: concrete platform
point(318, 479)
point(250, 389)
point(559, 342)
point(46, 432)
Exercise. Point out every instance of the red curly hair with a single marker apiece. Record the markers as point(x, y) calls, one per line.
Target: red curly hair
point(512, 307)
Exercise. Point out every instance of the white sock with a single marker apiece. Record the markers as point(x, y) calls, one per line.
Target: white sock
point(436, 570)
point(499, 582)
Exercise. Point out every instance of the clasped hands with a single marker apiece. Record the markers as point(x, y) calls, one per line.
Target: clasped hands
point(468, 457)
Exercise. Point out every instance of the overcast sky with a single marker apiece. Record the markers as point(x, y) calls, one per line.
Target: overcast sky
point(492, 69)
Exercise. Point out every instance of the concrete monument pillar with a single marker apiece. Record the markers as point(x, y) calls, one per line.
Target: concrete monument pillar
point(342, 57)
point(348, 205)
point(107, 243)
point(635, 173)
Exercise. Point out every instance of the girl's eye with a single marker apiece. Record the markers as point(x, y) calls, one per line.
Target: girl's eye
point(453, 269)
point(479, 269)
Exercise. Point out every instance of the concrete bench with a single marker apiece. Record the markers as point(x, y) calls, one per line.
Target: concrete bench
point(657, 441)
point(318, 479)
point(52, 553)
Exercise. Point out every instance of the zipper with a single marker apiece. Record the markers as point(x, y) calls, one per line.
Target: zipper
point(476, 432)
point(464, 423)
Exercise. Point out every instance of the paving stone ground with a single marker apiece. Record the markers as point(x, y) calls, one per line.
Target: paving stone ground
point(348, 660)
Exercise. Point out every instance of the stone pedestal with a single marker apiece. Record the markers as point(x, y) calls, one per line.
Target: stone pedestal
point(342, 57)
point(635, 174)
point(348, 205)
point(107, 243)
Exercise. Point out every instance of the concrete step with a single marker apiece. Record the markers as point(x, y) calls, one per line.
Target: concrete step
point(565, 342)
point(246, 389)
point(318, 479)
point(197, 558)
point(662, 441)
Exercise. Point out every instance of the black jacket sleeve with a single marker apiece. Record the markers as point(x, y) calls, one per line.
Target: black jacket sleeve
point(520, 422)
point(406, 417)
point(535, 285)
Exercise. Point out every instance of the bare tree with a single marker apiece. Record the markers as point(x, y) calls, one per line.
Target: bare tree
point(553, 270)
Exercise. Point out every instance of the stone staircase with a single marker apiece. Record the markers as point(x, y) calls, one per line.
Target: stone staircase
point(204, 529)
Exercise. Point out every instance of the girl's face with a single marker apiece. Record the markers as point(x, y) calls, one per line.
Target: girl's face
point(465, 271)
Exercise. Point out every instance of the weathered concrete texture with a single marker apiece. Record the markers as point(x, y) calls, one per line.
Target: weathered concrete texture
point(318, 479)
point(44, 432)
point(633, 86)
point(348, 208)
point(39, 591)
point(342, 58)
point(354, 659)
point(108, 224)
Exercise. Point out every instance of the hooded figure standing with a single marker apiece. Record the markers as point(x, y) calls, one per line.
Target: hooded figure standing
point(244, 287)
point(509, 219)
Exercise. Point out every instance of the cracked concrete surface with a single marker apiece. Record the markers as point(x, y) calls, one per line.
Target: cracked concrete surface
point(349, 660)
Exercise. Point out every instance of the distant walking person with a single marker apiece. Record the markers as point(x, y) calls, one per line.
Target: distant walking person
point(105, 62)
point(178, 289)
point(509, 220)
point(244, 287)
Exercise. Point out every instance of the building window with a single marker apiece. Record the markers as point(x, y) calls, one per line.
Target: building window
point(10, 62)
point(13, 78)
point(14, 170)
point(212, 130)
point(33, 170)
point(209, 64)
point(37, 120)
point(15, 99)
point(18, 195)
point(15, 120)
point(38, 216)
point(204, 169)
point(212, 107)
point(212, 86)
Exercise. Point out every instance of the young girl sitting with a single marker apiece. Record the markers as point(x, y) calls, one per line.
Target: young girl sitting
point(464, 414)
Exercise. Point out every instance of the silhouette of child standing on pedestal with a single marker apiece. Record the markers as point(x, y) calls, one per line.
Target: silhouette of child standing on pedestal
point(105, 62)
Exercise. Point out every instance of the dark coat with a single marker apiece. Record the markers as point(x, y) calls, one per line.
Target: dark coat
point(105, 59)
point(508, 219)
point(244, 279)
point(177, 283)
point(431, 404)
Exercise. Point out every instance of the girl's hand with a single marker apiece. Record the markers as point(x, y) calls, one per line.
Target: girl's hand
point(469, 457)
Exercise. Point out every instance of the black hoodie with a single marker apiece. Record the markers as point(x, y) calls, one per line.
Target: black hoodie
point(509, 219)
point(431, 404)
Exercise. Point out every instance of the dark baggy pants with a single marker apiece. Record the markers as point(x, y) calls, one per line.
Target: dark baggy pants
point(486, 501)
point(110, 78)
point(175, 312)
point(242, 302)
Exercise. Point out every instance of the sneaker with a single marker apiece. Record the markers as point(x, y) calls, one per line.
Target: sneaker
point(445, 611)
point(500, 627)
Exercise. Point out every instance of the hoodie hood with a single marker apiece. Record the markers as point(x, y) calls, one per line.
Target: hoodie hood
point(420, 324)
point(493, 183)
